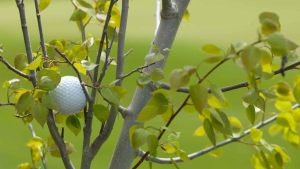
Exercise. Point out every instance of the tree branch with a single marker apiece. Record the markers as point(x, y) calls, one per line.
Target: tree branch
point(86, 93)
point(13, 69)
point(41, 153)
point(136, 70)
point(7, 104)
point(229, 88)
point(192, 156)
point(128, 52)
point(40, 28)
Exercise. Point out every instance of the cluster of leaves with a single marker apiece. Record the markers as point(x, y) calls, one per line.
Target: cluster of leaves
point(257, 61)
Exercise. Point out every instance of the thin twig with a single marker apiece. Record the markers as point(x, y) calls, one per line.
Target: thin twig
point(78, 74)
point(192, 156)
point(7, 104)
point(13, 69)
point(136, 70)
point(42, 40)
point(18, 116)
point(128, 52)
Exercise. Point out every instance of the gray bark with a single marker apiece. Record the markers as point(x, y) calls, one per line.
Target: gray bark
point(123, 154)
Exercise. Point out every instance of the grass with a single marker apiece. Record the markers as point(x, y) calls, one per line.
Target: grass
point(216, 22)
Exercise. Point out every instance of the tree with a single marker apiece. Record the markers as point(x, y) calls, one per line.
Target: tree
point(151, 97)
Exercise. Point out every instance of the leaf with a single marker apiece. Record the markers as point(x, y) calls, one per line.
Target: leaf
point(211, 49)
point(44, 4)
point(61, 118)
point(200, 132)
point(171, 147)
point(174, 163)
point(157, 74)
point(121, 91)
point(79, 52)
point(297, 93)
point(250, 112)
point(101, 112)
point(223, 124)
point(103, 57)
point(85, 7)
point(199, 96)
point(73, 124)
point(186, 15)
point(178, 78)
point(153, 57)
point(36, 141)
point(6, 84)
point(278, 44)
point(291, 136)
point(152, 143)
point(236, 126)
point(283, 105)
point(217, 92)
point(275, 129)
point(35, 154)
point(286, 119)
point(190, 108)
point(20, 62)
point(255, 134)
point(291, 45)
point(12, 84)
point(80, 68)
point(214, 102)
point(88, 65)
point(39, 112)
point(24, 166)
point(155, 47)
point(183, 156)
point(174, 136)
point(216, 152)
point(48, 79)
point(260, 103)
point(48, 102)
point(283, 153)
point(144, 80)
point(213, 59)
point(251, 56)
point(35, 64)
point(209, 131)
point(52, 53)
point(110, 95)
point(25, 101)
point(139, 137)
point(132, 129)
point(78, 15)
point(251, 96)
point(158, 104)
point(167, 115)
point(266, 145)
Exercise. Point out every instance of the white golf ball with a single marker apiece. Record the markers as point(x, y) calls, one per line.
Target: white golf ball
point(69, 96)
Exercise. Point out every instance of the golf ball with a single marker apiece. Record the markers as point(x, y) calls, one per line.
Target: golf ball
point(69, 96)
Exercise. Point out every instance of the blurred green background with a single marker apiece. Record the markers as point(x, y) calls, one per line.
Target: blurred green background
point(211, 22)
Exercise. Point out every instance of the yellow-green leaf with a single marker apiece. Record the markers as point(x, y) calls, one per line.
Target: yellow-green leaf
point(250, 112)
point(200, 132)
point(251, 56)
point(44, 4)
point(199, 96)
point(283, 105)
point(211, 49)
point(209, 131)
point(216, 152)
point(278, 44)
point(213, 59)
point(35, 64)
point(139, 137)
point(255, 134)
point(217, 92)
point(35, 154)
point(73, 124)
point(101, 112)
point(61, 118)
point(275, 129)
point(121, 91)
point(297, 92)
point(152, 143)
point(214, 102)
point(36, 141)
point(286, 119)
point(24, 166)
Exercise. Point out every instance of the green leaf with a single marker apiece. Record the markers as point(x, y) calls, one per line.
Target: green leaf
point(251, 56)
point(266, 145)
point(155, 47)
point(183, 156)
point(217, 116)
point(153, 57)
point(152, 143)
point(171, 147)
point(6, 84)
point(52, 53)
point(73, 124)
point(178, 78)
point(223, 124)
point(174, 136)
point(85, 7)
point(158, 104)
point(213, 59)
point(255, 134)
point(88, 65)
point(61, 118)
point(286, 119)
point(278, 44)
point(39, 112)
point(250, 112)
point(270, 22)
point(211, 49)
point(190, 108)
point(121, 91)
point(79, 52)
point(110, 95)
point(44, 4)
point(139, 85)
point(20, 62)
point(139, 137)
point(275, 129)
point(209, 131)
point(12, 84)
point(157, 74)
point(214, 102)
point(35, 64)
point(24, 166)
point(48, 102)
point(199, 96)
point(291, 136)
point(132, 129)
point(260, 103)
point(297, 93)
point(144, 80)
point(251, 96)
point(190, 69)
point(291, 45)
point(24, 102)
point(78, 15)
point(217, 92)
point(101, 112)
point(48, 79)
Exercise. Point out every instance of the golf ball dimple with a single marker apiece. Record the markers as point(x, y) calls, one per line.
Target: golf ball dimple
point(69, 96)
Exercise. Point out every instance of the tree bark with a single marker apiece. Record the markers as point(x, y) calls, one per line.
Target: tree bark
point(170, 20)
